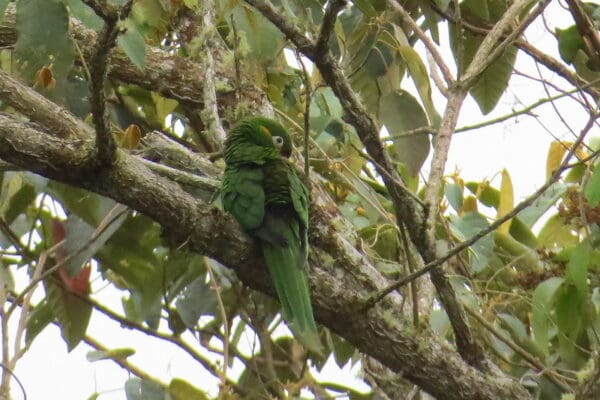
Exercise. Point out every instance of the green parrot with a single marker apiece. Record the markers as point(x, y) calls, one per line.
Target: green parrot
point(264, 192)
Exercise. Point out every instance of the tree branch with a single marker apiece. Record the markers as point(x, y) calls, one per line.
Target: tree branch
point(338, 286)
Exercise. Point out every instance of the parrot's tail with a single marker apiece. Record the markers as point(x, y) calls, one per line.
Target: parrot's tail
point(290, 277)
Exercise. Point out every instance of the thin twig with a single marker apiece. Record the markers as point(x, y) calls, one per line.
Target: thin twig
point(217, 290)
point(307, 101)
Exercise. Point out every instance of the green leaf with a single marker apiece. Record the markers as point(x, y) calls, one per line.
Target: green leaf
point(541, 309)
point(113, 354)
point(568, 304)
point(513, 325)
point(196, 300)
point(580, 261)
point(478, 8)
point(488, 195)
point(399, 111)
point(420, 76)
point(82, 242)
point(522, 233)
point(15, 196)
point(555, 234)
point(84, 14)
point(71, 312)
point(569, 43)
point(43, 44)
point(532, 213)
point(37, 320)
point(89, 206)
point(465, 227)
point(454, 195)
point(263, 38)
point(592, 188)
point(133, 44)
point(137, 389)
point(183, 390)
point(494, 79)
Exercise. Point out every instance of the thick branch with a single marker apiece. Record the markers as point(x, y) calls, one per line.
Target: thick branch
point(338, 286)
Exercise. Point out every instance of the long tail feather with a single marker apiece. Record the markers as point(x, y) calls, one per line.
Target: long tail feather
point(290, 277)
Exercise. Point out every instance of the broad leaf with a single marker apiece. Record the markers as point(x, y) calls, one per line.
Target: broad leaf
point(138, 389)
point(46, 44)
point(132, 43)
point(71, 312)
point(541, 309)
point(465, 227)
point(183, 390)
point(400, 112)
point(197, 299)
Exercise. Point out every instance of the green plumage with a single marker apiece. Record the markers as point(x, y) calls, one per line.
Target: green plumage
point(265, 194)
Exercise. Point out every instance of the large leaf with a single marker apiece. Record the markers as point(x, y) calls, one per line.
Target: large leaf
point(196, 300)
point(420, 77)
point(399, 112)
point(71, 312)
point(46, 44)
point(532, 213)
point(556, 234)
point(265, 41)
point(132, 43)
point(37, 320)
point(465, 227)
point(84, 14)
point(493, 81)
point(83, 240)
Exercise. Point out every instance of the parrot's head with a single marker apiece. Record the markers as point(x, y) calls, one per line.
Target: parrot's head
point(257, 139)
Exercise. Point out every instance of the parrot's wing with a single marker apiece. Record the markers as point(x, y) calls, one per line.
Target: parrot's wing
point(300, 199)
point(243, 195)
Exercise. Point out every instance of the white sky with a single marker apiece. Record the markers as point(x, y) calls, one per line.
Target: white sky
point(49, 372)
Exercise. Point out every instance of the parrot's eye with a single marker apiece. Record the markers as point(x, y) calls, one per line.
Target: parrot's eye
point(278, 141)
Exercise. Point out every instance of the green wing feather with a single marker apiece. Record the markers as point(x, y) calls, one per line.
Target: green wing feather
point(243, 195)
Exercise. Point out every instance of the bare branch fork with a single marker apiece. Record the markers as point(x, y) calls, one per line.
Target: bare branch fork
point(105, 142)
